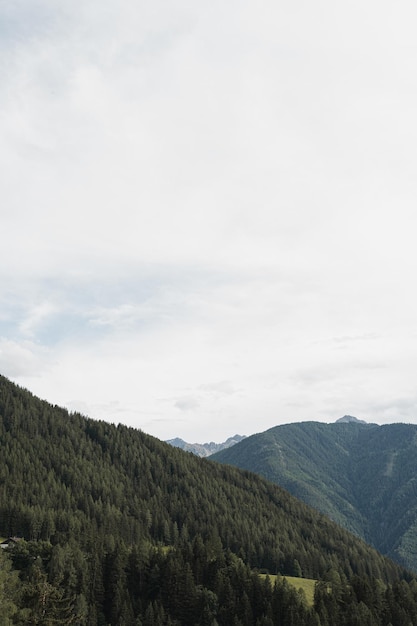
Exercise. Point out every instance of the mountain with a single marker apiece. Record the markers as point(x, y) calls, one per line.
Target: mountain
point(119, 528)
point(205, 449)
point(363, 476)
point(349, 419)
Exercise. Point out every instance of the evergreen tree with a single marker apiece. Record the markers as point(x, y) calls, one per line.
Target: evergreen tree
point(9, 591)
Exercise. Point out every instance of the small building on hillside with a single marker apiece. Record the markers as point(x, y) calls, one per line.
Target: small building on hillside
point(10, 542)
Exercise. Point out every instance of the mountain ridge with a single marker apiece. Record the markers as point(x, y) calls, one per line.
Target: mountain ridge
point(205, 449)
point(364, 476)
point(349, 419)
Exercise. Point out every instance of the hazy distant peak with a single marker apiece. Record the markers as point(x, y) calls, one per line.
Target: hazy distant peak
point(349, 418)
point(205, 449)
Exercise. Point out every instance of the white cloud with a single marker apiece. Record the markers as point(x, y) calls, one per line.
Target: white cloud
point(24, 359)
point(212, 204)
point(36, 317)
point(222, 387)
point(188, 403)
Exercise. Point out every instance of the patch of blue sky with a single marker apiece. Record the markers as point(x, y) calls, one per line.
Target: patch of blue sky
point(67, 327)
point(52, 330)
point(9, 328)
point(21, 21)
point(58, 310)
point(133, 288)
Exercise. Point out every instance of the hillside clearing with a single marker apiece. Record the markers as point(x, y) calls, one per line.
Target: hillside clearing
point(306, 584)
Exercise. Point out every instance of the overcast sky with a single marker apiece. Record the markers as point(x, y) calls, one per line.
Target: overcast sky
point(208, 210)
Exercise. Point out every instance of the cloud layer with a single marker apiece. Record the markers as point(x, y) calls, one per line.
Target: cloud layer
point(208, 212)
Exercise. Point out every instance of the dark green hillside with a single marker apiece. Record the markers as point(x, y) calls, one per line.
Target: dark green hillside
point(363, 476)
point(65, 475)
point(120, 528)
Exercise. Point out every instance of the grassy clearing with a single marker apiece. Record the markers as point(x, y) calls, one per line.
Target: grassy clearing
point(306, 584)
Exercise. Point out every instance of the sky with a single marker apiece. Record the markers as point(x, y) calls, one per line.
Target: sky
point(208, 211)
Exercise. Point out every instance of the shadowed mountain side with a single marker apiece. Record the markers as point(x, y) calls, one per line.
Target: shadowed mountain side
point(361, 475)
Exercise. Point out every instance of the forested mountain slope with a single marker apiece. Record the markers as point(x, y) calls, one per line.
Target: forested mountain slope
point(120, 528)
point(363, 476)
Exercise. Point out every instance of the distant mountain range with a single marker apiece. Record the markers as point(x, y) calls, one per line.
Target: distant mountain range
point(205, 449)
point(363, 476)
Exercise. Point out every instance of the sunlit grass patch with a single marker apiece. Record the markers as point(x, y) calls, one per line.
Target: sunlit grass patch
point(306, 584)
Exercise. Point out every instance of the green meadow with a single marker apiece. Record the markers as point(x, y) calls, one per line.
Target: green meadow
point(306, 584)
